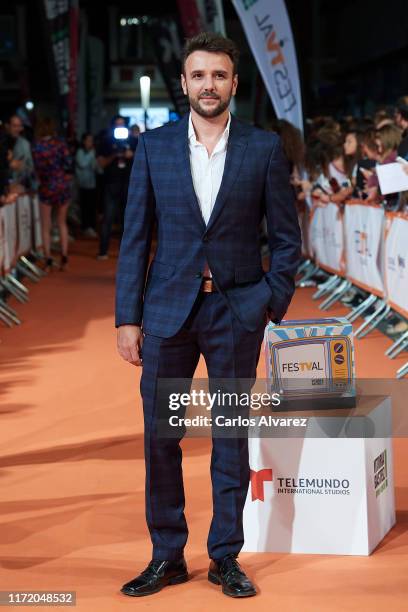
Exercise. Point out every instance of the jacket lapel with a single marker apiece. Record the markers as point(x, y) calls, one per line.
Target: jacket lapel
point(237, 144)
point(183, 155)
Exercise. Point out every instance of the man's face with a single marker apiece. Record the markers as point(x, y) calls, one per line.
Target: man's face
point(15, 127)
point(209, 82)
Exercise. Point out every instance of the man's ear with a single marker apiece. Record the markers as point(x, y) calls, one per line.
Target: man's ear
point(234, 84)
point(184, 84)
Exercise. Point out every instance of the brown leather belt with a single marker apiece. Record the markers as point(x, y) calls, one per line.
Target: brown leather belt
point(208, 286)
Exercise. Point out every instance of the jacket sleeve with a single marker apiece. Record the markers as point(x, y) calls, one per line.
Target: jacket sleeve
point(136, 242)
point(283, 233)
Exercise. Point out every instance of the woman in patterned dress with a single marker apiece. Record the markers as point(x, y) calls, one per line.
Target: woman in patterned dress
point(52, 162)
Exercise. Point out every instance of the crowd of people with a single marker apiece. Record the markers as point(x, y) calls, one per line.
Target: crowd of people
point(92, 174)
point(338, 159)
point(338, 162)
point(334, 162)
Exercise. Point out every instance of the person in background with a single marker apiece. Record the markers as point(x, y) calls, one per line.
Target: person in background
point(368, 161)
point(134, 133)
point(115, 157)
point(6, 196)
point(85, 172)
point(313, 163)
point(333, 184)
point(52, 163)
point(21, 164)
point(294, 149)
point(388, 139)
point(352, 153)
point(382, 117)
point(401, 119)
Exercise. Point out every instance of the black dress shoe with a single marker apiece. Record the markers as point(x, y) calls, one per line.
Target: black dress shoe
point(157, 575)
point(229, 574)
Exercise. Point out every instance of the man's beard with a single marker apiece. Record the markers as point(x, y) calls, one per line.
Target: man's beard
point(211, 112)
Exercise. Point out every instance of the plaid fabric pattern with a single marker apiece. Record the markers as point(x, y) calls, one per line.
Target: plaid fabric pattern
point(230, 352)
point(255, 182)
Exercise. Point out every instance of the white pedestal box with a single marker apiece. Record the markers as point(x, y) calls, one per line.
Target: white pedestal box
point(323, 494)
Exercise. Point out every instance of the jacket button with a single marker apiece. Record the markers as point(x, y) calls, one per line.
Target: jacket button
point(199, 275)
point(206, 239)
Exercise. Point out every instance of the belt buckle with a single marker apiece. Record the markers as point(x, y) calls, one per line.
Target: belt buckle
point(207, 285)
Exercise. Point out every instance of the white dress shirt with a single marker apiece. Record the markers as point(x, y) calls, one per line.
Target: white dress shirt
point(207, 171)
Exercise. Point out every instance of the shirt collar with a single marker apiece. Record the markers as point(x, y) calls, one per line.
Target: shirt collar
point(193, 138)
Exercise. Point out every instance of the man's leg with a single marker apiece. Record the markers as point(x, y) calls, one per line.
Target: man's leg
point(175, 357)
point(111, 204)
point(231, 352)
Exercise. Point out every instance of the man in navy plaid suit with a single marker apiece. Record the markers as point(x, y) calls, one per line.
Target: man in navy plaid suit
point(207, 182)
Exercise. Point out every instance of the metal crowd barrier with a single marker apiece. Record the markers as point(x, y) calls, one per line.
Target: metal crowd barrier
point(358, 246)
point(20, 248)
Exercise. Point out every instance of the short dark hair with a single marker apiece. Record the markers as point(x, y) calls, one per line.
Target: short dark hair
point(402, 109)
point(116, 117)
point(84, 137)
point(213, 43)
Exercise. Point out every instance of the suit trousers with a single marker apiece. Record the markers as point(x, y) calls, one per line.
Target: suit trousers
point(230, 352)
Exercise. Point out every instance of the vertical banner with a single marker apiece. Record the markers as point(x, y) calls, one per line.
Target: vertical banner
point(167, 44)
point(267, 28)
point(73, 67)
point(62, 25)
point(201, 15)
point(57, 24)
point(91, 68)
point(82, 121)
point(190, 17)
point(212, 15)
point(94, 83)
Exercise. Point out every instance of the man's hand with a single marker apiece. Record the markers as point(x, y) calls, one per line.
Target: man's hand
point(130, 341)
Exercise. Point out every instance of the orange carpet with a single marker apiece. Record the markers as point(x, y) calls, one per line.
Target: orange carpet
point(72, 472)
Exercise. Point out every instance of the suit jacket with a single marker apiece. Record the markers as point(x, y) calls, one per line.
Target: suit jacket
point(255, 182)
